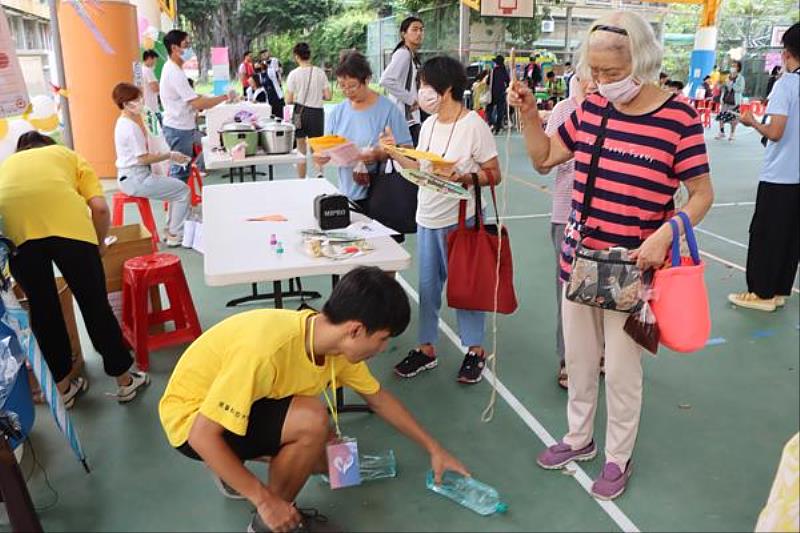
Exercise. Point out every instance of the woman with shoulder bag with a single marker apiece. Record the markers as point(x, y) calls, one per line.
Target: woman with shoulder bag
point(626, 171)
point(361, 118)
point(456, 134)
point(400, 76)
point(306, 88)
point(732, 92)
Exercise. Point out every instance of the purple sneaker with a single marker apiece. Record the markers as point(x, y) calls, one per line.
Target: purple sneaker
point(557, 456)
point(612, 481)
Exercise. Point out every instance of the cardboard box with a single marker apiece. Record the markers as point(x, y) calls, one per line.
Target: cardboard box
point(68, 310)
point(133, 240)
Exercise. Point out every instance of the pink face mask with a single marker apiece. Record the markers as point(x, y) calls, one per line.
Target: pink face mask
point(429, 100)
point(620, 92)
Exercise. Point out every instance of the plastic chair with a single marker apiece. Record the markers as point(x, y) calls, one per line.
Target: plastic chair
point(145, 213)
point(139, 275)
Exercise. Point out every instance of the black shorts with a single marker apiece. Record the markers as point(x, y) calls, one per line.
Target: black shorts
point(313, 124)
point(264, 428)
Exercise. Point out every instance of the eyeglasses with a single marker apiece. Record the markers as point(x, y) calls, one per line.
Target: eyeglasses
point(349, 88)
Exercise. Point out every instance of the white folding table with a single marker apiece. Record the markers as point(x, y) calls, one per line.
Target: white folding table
point(216, 158)
point(238, 251)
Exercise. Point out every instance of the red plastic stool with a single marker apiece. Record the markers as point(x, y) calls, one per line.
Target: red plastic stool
point(705, 114)
point(146, 214)
point(138, 276)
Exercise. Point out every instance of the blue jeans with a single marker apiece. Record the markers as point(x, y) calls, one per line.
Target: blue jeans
point(432, 257)
point(180, 141)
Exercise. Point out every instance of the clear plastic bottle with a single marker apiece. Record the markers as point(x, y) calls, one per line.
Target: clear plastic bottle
point(374, 466)
point(469, 492)
point(377, 466)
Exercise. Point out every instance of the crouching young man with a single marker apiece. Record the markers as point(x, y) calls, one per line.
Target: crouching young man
point(249, 388)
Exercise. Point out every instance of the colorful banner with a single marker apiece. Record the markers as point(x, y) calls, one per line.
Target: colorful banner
point(13, 92)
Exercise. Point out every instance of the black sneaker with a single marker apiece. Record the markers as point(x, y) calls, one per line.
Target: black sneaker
point(414, 363)
point(472, 368)
point(309, 515)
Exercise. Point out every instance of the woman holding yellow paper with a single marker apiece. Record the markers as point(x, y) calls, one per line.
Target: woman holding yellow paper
point(455, 134)
point(361, 118)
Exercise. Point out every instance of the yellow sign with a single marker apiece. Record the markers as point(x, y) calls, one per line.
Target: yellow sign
point(169, 7)
point(472, 4)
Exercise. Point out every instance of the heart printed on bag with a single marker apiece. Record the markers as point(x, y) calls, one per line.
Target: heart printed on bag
point(343, 463)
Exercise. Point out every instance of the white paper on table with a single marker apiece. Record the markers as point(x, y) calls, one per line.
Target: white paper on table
point(344, 155)
point(370, 229)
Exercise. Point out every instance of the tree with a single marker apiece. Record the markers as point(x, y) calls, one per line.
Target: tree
point(199, 16)
point(237, 23)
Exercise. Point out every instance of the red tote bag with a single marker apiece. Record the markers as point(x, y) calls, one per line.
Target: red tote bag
point(472, 263)
point(680, 301)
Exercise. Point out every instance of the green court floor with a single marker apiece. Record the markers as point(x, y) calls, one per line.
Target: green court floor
point(713, 423)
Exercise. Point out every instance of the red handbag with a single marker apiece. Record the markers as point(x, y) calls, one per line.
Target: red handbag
point(472, 262)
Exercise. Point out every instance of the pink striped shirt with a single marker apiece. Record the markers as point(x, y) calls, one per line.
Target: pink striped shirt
point(643, 160)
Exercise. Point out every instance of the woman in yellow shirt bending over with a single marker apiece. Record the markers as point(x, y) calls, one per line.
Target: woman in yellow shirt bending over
point(54, 211)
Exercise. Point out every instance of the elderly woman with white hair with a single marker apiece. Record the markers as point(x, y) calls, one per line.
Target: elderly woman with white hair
point(648, 142)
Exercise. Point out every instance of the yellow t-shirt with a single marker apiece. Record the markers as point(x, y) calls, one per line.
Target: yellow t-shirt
point(43, 193)
point(247, 357)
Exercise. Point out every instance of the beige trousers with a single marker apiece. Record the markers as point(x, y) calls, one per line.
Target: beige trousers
point(589, 334)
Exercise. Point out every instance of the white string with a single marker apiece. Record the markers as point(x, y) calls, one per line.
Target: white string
point(491, 359)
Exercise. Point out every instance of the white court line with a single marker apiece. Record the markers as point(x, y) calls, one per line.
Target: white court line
point(523, 217)
point(733, 204)
point(734, 265)
point(720, 237)
point(611, 508)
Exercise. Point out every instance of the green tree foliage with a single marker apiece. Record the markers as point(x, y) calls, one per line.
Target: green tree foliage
point(237, 23)
point(340, 32)
point(343, 31)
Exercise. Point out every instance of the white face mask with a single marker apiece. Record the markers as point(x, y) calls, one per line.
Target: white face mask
point(136, 107)
point(187, 54)
point(429, 100)
point(619, 92)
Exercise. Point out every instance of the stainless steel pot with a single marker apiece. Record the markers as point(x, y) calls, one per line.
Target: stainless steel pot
point(277, 137)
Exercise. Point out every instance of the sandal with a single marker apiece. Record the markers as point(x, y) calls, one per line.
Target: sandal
point(602, 366)
point(563, 379)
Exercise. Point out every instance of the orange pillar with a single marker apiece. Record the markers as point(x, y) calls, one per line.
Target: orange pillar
point(91, 74)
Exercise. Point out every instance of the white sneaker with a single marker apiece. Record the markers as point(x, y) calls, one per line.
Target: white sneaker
point(780, 301)
point(77, 386)
point(173, 241)
point(126, 393)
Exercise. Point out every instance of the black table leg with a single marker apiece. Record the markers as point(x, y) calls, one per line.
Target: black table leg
point(277, 295)
point(340, 405)
point(270, 172)
point(253, 172)
point(277, 291)
point(230, 174)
